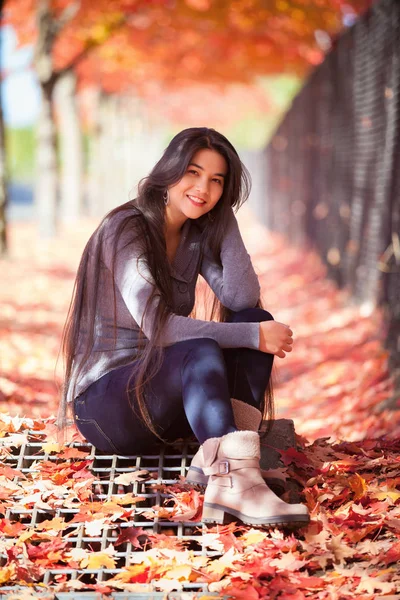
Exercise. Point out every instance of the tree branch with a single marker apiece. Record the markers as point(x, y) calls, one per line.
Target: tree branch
point(66, 16)
point(92, 44)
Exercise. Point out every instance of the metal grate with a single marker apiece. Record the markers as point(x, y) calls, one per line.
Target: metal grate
point(165, 467)
point(13, 594)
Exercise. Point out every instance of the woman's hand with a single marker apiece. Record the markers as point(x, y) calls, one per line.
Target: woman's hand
point(275, 338)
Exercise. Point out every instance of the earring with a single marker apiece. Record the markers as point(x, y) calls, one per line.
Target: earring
point(166, 197)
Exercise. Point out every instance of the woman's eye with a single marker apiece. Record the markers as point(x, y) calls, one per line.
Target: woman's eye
point(218, 181)
point(192, 171)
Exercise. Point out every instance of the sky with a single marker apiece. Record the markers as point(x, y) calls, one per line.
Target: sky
point(20, 91)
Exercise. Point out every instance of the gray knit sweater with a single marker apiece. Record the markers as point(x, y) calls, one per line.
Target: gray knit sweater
point(235, 284)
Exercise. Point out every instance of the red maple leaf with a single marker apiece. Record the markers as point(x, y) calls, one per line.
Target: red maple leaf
point(11, 529)
point(29, 572)
point(161, 540)
point(294, 456)
point(131, 534)
point(392, 555)
point(43, 550)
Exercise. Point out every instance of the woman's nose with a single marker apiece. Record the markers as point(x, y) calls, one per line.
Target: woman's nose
point(202, 186)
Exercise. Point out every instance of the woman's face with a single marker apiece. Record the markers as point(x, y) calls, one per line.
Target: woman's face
point(200, 188)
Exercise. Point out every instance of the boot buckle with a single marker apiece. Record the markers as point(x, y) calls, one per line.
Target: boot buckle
point(223, 467)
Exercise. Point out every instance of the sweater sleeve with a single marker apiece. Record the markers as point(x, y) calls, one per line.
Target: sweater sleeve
point(235, 283)
point(135, 283)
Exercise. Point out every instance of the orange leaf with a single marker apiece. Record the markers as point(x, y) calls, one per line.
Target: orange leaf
point(56, 524)
point(358, 485)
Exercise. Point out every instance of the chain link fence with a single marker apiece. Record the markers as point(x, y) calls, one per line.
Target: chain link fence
point(333, 165)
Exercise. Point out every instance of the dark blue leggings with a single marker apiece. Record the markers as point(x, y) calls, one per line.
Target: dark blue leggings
point(189, 395)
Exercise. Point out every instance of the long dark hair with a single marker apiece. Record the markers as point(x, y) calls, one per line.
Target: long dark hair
point(144, 228)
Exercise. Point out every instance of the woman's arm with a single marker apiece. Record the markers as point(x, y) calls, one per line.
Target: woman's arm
point(235, 283)
point(136, 285)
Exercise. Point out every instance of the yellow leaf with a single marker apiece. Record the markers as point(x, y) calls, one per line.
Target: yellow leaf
point(217, 568)
point(253, 537)
point(6, 573)
point(50, 447)
point(26, 535)
point(130, 573)
point(393, 494)
point(97, 560)
point(180, 572)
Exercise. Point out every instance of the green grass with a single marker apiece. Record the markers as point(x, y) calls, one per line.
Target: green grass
point(20, 147)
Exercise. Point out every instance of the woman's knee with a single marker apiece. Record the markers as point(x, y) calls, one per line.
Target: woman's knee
point(252, 315)
point(205, 355)
point(204, 347)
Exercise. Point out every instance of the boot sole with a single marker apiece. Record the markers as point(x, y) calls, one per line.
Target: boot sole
point(200, 487)
point(216, 513)
point(196, 478)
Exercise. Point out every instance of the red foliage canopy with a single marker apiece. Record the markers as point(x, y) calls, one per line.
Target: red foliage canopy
point(124, 42)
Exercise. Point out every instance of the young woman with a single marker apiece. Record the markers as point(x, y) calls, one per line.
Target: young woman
point(139, 369)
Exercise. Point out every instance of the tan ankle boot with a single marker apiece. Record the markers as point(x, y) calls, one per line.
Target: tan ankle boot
point(247, 418)
point(236, 487)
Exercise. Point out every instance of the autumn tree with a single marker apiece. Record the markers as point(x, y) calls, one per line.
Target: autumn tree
point(122, 45)
point(47, 24)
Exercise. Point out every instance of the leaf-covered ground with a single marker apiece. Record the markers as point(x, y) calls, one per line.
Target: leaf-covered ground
point(335, 386)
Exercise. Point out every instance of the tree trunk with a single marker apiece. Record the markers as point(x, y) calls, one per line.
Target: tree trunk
point(3, 169)
point(3, 186)
point(94, 183)
point(113, 142)
point(47, 172)
point(71, 149)
point(46, 158)
point(108, 149)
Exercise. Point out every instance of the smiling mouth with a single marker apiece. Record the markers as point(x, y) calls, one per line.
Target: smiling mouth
point(195, 200)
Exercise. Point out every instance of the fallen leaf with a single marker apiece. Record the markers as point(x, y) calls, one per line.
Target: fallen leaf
point(98, 560)
point(50, 447)
point(288, 562)
point(56, 524)
point(372, 584)
point(131, 534)
point(6, 573)
point(129, 478)
point(339, 549)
